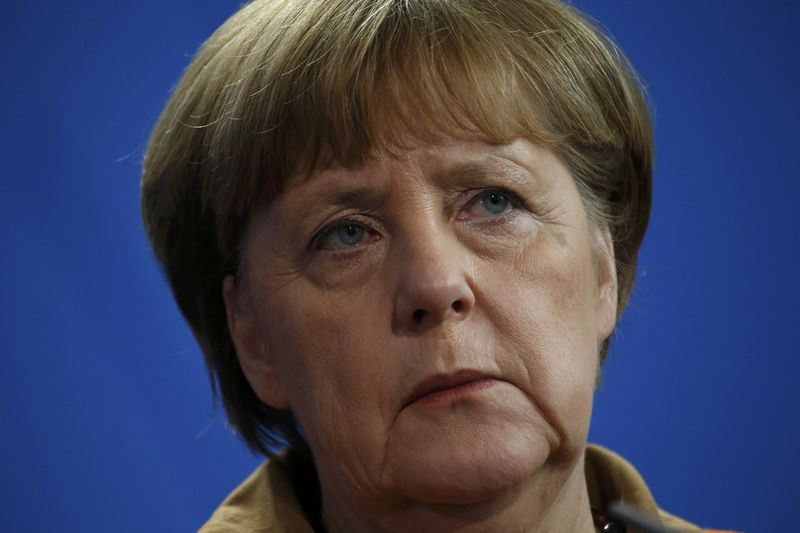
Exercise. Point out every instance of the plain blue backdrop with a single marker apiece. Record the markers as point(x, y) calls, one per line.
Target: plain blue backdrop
point(106, 419)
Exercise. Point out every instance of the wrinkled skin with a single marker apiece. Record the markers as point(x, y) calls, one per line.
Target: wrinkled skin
point(454, 256)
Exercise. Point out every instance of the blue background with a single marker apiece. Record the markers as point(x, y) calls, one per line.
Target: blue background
point(106, 421)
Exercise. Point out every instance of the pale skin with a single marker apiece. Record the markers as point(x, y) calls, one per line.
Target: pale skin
point(361, 282)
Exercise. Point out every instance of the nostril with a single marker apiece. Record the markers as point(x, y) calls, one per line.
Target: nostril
point(418, 315)
point(457, 306)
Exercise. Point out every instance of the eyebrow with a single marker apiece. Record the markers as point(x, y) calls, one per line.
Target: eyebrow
point(460, 174)
point(356, 196)
point(476, 173)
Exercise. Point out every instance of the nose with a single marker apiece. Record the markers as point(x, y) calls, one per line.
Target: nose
point(433, 287)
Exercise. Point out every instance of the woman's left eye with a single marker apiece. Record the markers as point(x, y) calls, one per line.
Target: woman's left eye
point(343, 235)
point(491, 203)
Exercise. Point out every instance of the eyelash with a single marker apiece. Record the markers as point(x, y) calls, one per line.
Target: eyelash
point(317, 240)
point(514, 200)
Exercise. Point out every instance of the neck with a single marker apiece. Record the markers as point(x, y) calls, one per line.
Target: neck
point(540, 505)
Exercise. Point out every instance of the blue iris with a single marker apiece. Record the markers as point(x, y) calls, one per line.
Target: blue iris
point(340, 235)
point(495, 203)
point(350, 234)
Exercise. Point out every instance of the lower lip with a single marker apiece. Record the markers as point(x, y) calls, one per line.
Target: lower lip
point(452, 394)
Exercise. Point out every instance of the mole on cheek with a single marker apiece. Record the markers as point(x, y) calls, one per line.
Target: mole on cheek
point(561, 238)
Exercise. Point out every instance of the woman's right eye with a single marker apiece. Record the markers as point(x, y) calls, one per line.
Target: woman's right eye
point(343, 235)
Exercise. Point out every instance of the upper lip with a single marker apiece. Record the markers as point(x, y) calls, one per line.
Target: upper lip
point(440, 382)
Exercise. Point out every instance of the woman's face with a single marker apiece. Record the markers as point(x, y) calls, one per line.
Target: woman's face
point(432, 318)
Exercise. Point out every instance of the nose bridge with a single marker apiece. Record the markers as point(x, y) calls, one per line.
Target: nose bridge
point(432, 279)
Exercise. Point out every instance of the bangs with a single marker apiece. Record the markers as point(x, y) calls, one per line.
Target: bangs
point(417, 76)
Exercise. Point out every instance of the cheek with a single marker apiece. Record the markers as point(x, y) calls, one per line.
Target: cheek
point(327, 353)
point(542, 306)
point(547, 288)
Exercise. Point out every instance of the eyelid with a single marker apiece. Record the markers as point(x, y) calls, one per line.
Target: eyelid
point(514, 198)
point(313, 245)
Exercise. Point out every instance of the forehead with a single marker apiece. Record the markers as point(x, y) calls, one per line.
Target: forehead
point(448, 161)
point(452, 165)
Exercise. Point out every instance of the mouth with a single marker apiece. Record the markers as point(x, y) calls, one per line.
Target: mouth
point(445, 388)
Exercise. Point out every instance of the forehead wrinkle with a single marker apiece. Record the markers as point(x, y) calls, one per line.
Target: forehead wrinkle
point(338, 186)
point(334, 184)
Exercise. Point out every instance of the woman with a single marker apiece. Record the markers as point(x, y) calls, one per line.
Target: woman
point(402, 232)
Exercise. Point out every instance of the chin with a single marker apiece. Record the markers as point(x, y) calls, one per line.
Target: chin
point(483, 469)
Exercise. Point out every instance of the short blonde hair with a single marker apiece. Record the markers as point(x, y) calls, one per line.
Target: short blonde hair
point(283, 80)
